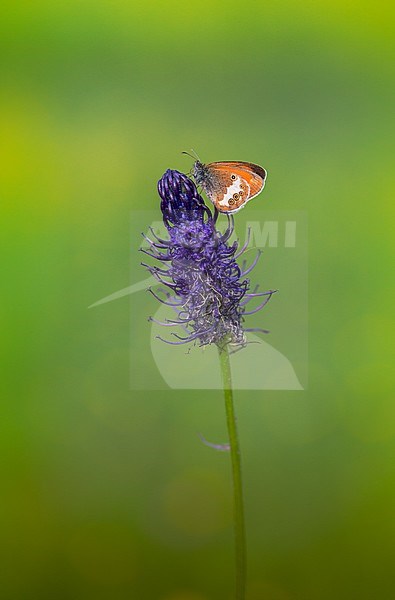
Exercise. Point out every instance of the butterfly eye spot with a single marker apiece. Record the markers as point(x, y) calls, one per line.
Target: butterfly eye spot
point(236, 196)
point(231, 201)
point(233, 176)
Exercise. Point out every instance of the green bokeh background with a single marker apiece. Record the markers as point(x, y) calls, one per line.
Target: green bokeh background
point(107, 493)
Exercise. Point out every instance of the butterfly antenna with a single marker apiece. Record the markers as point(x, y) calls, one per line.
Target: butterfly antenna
point(193, 155)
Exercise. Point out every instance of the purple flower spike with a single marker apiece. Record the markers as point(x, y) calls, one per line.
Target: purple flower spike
point(205, 282)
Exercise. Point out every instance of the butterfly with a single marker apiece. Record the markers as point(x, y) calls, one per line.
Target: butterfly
point(229, 185)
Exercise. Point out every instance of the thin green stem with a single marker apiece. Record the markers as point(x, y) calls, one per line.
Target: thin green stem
point(239, 526)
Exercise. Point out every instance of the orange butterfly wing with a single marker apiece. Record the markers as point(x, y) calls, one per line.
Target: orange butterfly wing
point(251, 180)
